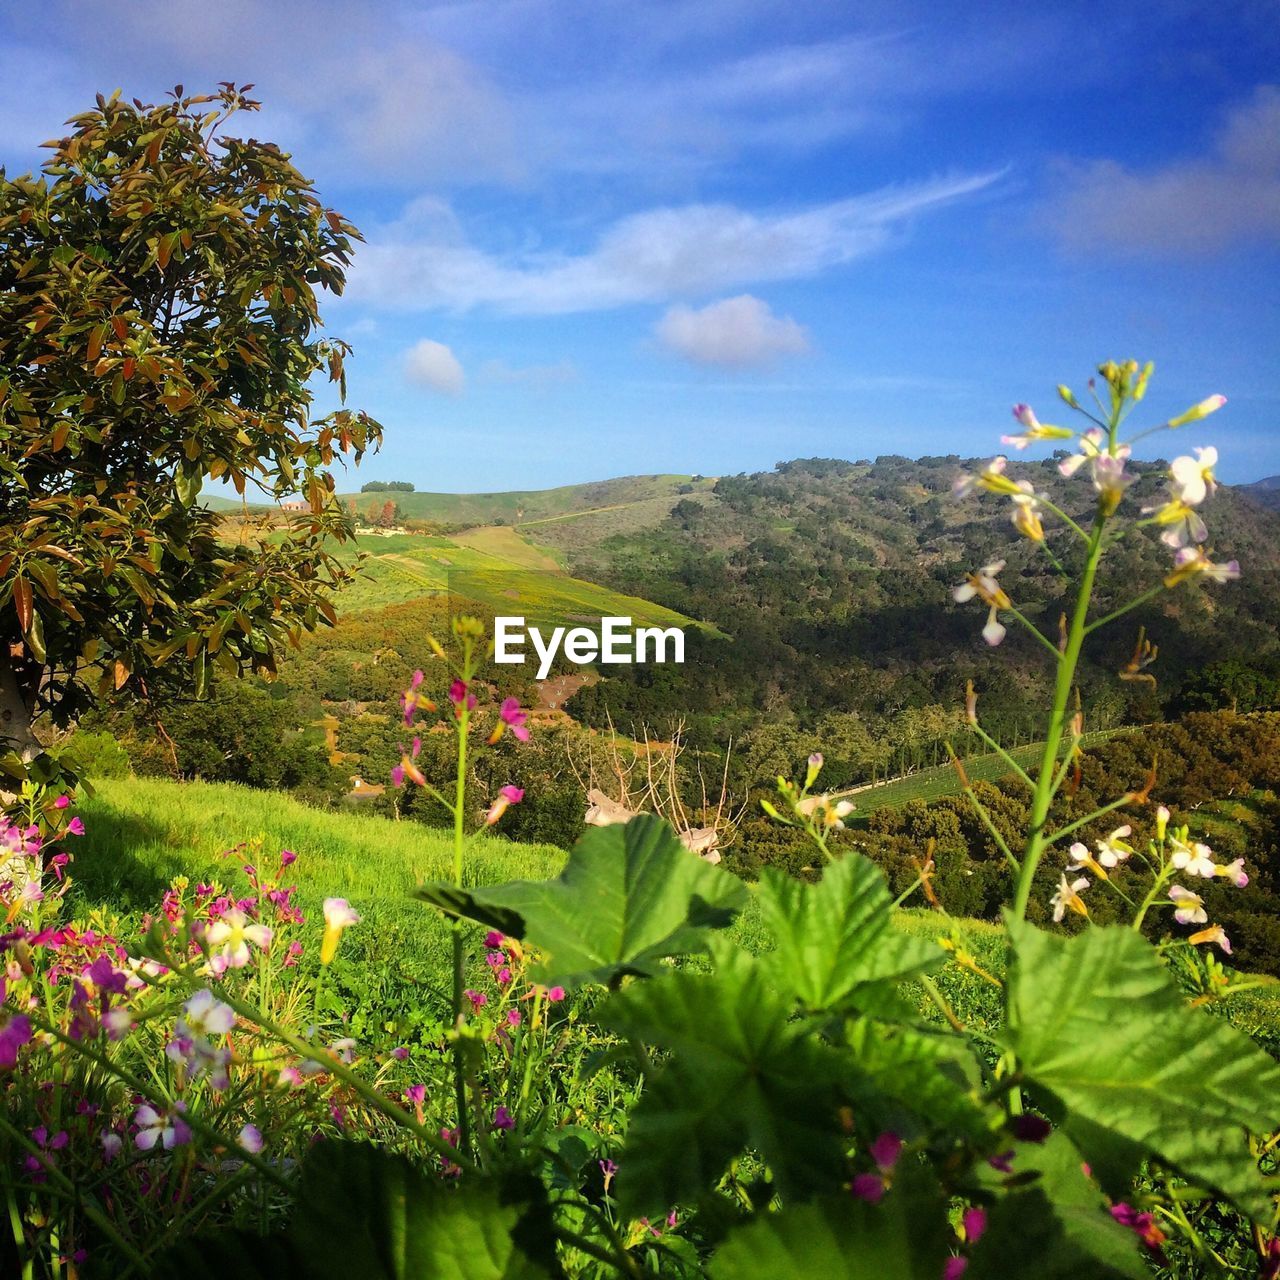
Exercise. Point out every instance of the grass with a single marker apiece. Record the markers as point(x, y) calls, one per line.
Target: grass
point(142, 832)
point(942, 780)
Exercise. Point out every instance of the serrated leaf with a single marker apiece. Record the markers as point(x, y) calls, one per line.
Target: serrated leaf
point(629, 896)
point(1096, 1021)
point(741, 1074)
point(904, 1237)
point(837, 936)
point(1056, 1228)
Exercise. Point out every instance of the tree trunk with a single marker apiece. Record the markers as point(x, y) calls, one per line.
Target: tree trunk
point(15, 714)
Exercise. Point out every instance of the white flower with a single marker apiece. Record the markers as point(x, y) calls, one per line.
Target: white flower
point(1113, 850)
point(1035, 429)
point(1193, 478)
point(251, 1139)
point(1195, 859)
point(1080, 859)
point(1091, 446)
point(1191, 561)
point(205, 1015)
point(1027, 513)
point(167, 1128)
point(990, 478)
point(338, 915)
point(1235, 872)
point(1067, 898)
point(983, 586)
point(1190, 905)
point(231, 936)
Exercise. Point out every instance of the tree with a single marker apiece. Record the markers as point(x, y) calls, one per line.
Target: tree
point(159, 328)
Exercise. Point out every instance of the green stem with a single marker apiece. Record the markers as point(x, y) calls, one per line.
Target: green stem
point(1144, 598)
point(1066, 670)
point(459, 844)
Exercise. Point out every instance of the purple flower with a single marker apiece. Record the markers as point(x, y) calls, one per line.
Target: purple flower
point(478, 999)
point(1029, 1128)
point(13, 1035)
point(494, 939)
point(503, 1119)
point(416, 1093)
point(885, 1150)
point(251, 1139)
point(400, 1053)
point(868, 1187)
point(954, 1267)
point(515, 719)
point(974, 1223)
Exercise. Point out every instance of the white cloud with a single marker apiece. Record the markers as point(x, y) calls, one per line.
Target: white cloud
point(432, 364)
point(735, 333)
point(656, 256)
point(1199, 205)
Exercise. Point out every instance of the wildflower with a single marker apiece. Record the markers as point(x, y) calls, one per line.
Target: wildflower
point(1110, 479)
point(1113, 850)
point(503, 1119)
point(510, 716)
point(1031, 1128)
point(250, 1139)
point(514, 1017)
point(555, 995)
point(1162, 823)
point(1082, 860)
point(868, 1187)
point(1195, 859)
point(411, 701)
point(206, 1015)
point(345, 1049)
point(13, 1035)
point(478, 999)
point(1190, 906)
point(1027, 513)
point(416, 1094)
point(287, 858)
point(991, 478)
point(494, 939)
point(62, 802)
point(1192, 560)
point(1091, 448)
point(117, 1023)
point(1211, 404)
point(825, 812)
point(338, 915)
point(165, 1127)
point(76, 826)
point(231, 937)
point(1235, 872)
point(1182, 522)
point(973, 1224)
point(112, 1143)
point(1214, 933)
point(954, 1267)
point(983, 586)
point(1035, 429)
point(461, 697)
point(1193, 478)
point(508, 796)
point(1143, 1224)
point(608, 1171)
point(1067, 898)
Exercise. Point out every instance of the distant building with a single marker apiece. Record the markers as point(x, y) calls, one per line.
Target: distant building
point(295, 504)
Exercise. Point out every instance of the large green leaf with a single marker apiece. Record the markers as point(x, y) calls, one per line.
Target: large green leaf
point(902, 1238)
point(837, 937)
point(1096, 1021)
point(629, 896)
point(914, 1079)
point(1056, 1227)
point(740, 1075)
point(365, 1213)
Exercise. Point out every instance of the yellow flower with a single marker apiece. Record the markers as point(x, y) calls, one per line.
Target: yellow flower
point(338, 915)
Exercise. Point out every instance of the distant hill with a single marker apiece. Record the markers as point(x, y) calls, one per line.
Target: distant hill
point(526, 506)
point(1265, 493)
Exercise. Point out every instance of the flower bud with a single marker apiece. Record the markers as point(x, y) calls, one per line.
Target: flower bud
point(1211, 404)
point(1068, 396)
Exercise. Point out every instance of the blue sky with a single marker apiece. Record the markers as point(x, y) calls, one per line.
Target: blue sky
point(608, 238)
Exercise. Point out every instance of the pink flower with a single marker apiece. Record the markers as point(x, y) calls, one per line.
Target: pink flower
point(868, 1187)
point(62, 802)
point(287, 857)
point(76, 826)
point(251, 1139)
point(555, 995)
point(508, 796)
point(974, 1223)
point(460, 697)
point(478, 999)
point(954, 1267)
point(514, 1017)
point(494, 939)
point(416, 1094)
point(885, 1150)
point(515, 719)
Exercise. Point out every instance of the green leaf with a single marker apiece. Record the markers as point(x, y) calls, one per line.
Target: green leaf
point(741, 1074)
point(904, 1237)
point(1057, 1227)
point(364, 1213)
point(629, 896)
point(836, 937)
point(1096, 1021)
point(186, 483)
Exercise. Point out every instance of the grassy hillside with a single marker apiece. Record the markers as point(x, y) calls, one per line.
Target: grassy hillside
point(529, 505)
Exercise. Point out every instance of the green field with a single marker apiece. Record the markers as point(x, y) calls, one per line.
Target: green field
point(933, 784)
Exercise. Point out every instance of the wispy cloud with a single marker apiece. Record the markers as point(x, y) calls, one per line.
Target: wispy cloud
point(432, 364)
point(657, 256)
point(1229, 195)
point(538, 376)
point(735, 333)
